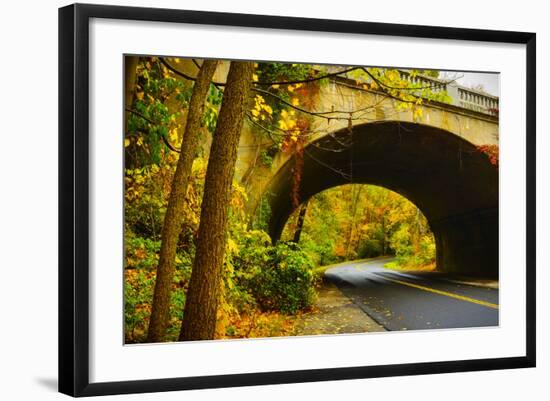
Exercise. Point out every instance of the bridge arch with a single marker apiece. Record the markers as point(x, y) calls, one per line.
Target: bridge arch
point(454, 185)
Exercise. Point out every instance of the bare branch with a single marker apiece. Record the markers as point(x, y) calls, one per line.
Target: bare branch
point(184, 75)
point(405, 89)
point(320, 114)
point(261, 83)
point(345, 175)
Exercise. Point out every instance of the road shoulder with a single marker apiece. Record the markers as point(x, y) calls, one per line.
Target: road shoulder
point(334, 313)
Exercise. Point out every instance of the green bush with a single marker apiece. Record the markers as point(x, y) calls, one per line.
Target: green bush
point(406, 254)
point(139, 283)
point(400, 242)
point(138, 292)
point(321, 250)
point(279, 277)
point(427, 249)
point(141, 253)
point(369, 248)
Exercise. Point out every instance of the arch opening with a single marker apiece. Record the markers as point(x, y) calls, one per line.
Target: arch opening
point(358, 221)
point(454, 185)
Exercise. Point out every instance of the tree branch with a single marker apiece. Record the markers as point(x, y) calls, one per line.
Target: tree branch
point(164, 139)
point(405, 89)
point(345, 175)
point(185, 76)
point(261, 83)
point(306, 80)
point(384, 92)
point(321, 114)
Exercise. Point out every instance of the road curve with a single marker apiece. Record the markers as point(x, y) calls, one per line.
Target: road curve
point(409, 301)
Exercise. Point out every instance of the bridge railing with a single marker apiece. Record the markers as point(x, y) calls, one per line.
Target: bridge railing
point(478, 101)
point(424, 81)
point(461, 96)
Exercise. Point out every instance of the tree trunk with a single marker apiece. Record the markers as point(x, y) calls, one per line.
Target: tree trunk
point(416, 233)
point(130, 72)
point(354, 204)
point(300, 223)
point(199, 317)
point(173, 218)
point(130, 77)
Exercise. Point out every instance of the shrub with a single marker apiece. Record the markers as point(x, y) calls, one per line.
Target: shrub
point(279, 277)
point(139, 283)
point(427, 249)
point(141, 253)
point(138, 291)
point(369, 248)
point(320, 250)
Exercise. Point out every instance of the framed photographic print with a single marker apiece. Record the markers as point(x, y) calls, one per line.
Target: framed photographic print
point(250, 199)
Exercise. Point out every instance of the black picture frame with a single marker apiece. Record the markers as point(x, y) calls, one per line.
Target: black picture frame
point(74, 194)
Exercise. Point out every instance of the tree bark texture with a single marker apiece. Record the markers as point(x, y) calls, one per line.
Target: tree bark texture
point(130, 78)
point(355, 194)
point(300, 223)
point(130, 73)
point(201, 305)
point(173, 218)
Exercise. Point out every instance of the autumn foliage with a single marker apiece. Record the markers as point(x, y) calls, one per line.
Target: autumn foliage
point(491, 151)
point(264, 285)
point(363, 221)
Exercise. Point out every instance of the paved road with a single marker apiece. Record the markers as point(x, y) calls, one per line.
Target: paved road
point(405, 301)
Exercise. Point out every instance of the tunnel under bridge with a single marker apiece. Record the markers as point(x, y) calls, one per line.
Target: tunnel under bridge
point(446, 176)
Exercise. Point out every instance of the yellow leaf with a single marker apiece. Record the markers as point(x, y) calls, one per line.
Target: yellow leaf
point(126, 142)
point(174, 134)
point(295, 101)
point(417, 113)
point(232, 246)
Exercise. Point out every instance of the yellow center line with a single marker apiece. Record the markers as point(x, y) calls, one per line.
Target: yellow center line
point(448, 294)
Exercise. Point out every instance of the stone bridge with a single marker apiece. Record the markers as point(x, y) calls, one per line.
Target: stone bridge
point(431, 158)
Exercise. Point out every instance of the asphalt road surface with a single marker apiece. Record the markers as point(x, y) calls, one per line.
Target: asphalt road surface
point(406, 301)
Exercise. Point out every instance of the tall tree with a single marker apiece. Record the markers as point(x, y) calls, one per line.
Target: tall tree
point(130, 67)
point(199, 318)
point(355, 197)
point(300, 223)
point(173, 219)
